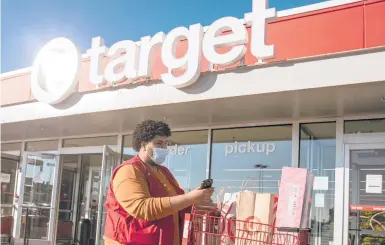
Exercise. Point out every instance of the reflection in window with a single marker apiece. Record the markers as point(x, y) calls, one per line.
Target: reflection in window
point(8, 180)
point(66, 198)
point(318, 154)
point(187, 159)
point(367, 196)
point(256, 153)
point(39, 179)
point(38, 188)
point(38, 222)
point(365, 126)
point(10, 156)
point(128, 151)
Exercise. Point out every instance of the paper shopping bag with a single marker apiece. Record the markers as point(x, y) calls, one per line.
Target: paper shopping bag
point(227, 206)
point(294, 203)
point(255, 214)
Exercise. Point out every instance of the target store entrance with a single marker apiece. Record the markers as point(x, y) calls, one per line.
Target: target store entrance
point(366, 176)
point(58, 189)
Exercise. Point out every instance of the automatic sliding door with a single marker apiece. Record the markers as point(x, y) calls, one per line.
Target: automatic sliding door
point(367, 196)
point(68, 192)
point(110, 160)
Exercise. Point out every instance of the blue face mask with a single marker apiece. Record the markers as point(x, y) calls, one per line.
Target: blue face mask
point(159, 155)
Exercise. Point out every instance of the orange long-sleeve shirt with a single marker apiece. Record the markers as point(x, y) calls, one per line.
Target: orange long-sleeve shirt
point(131, 190)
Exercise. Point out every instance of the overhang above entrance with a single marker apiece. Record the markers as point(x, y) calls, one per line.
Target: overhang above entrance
point(346, 100)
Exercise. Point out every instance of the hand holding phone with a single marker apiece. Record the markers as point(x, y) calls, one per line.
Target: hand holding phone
point(203, 194)
point(208, 183)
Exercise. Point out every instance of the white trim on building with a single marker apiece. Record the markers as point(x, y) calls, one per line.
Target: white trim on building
point(357, 68)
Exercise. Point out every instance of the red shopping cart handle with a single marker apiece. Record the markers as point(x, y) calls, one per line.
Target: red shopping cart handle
point(291, 229)
point(208, 210)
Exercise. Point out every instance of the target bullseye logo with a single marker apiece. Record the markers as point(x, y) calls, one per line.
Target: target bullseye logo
point(55, 71)
point(252, 224)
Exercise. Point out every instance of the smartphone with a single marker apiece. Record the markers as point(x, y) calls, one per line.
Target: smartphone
point(208, 183)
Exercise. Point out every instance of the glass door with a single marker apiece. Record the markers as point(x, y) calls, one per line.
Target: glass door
point(110, 161)
point(79, 195)
point(36, 206)
point(68, 199)
point(9, 174)
point(92, 198)
point(366, 194)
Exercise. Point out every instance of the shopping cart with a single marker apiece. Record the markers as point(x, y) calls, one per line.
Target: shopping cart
point(208, 228)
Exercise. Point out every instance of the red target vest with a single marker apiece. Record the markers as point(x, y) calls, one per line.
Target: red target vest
point(125, 229)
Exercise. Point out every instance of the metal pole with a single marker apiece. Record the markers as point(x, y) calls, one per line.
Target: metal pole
point(26, 228)
point(260, 167)
point(84, 235)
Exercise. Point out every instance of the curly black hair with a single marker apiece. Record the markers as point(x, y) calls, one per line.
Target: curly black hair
point(147, 131)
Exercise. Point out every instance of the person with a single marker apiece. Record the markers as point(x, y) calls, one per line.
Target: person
point(144, 203)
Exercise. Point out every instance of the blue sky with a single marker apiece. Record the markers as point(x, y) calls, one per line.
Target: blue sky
point(27, 24)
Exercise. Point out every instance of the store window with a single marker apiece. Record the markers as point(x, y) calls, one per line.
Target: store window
point(257, 154)
point(318, 155)
point(187, 159)
point(10, 158)
point(91, 141)
point(9, 166)
point(46, 145)
point(365, 126)
point(128, 151)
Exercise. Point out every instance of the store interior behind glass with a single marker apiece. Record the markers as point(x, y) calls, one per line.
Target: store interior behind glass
point(228, 155)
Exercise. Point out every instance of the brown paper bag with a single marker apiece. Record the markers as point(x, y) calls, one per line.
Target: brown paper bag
point(256, 217)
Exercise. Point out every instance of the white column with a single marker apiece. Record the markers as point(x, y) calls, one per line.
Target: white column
point(339, 184)
point(295, 144)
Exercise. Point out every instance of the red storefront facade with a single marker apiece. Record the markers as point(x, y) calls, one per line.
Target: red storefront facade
point(318, 102)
